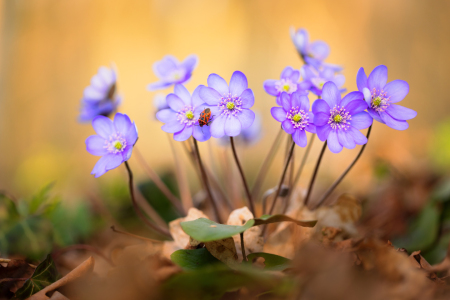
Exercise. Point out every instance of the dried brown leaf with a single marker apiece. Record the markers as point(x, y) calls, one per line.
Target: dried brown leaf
point(224, 250)
point(14, 269)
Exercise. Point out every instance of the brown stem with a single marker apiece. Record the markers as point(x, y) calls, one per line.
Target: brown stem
point(206, 182)
point(163, 231)
point(113, 228)
point(313, 178)
point(90, 248)
point(338, 181)
point(244, 181)
point(244, 257)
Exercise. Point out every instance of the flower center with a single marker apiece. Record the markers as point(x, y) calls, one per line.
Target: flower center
point(186, 116)
point(285, 85)
point(189, 115)
point(230, 105)
point(298, 117)
point(379, 100)
point(115, 144)
point(176, 75)
point(339, 118)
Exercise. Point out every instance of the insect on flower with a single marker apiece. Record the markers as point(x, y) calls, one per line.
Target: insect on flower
point(205, 117)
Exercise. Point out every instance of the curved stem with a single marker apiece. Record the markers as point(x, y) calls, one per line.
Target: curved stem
point(266, 164)
point(338, 181)
point(283, 175)
point(205, 181)
point(313, 178)
point(244, 257)
point(159, 183)
point(138, 210)
point(244, 181)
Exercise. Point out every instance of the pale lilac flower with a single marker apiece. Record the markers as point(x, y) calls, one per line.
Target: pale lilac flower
point(170, 71)
point(312, 53)
point(248, 136)
point(314, 79)
point(338, 121)
point(230, 106)
point(181, 118)
point(288, 83)
point(100, 98)
point(295, 116)
point(381, 96)
point(114, 142)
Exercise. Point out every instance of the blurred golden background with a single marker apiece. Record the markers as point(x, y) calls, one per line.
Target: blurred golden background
point(50, 50)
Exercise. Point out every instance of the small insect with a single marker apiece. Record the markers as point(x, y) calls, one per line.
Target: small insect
point(205, 117)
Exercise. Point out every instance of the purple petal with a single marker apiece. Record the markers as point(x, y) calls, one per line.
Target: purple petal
point(319, 50)
point(375, 115)
point(333, 142)
point(300, 39)
point(304, 102)
point(92, 93)
point(183, 94)
point(356, 106)
point(209, 95)
point(218, 127)
point(323, 132)
point(361, 79)
point(190, 63)
point(321, 118)
point(175, 102)
point(132, 135)
point(248, 99)
point(173, 126)
point(201, 134)
point(295, 76)
point(393, 123)
point(126, 154)
point(287, 126)
point(278, 113)
point(103, 126)
point(358, 137)
point(196, 100)
point(163, 67)
point(158, 85)
point(238, 83)
point(95, 145)
point(295, 100)
point(331, 94)
point(246, 117)
point(285, 101)
point(218, 83)
point(299, 137)
point(122, 123)
point(361, 120)
point(269, 87)
point(400, 113)
point(166, 115)
point(351, 97)
point(286, 73)
point(114, 161)
point(184, 134)
point(100, 166)
point(232, 126)
point(215, 111)
point(396, 90)
point(320, 106)
point(311, 128)
point(346, 139)
point(378, 78)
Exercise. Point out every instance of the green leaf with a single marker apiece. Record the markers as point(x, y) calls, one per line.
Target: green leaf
point(44, 275)
point(267, 219)
point(193, 259)
point(272, 262)
point(204, 230)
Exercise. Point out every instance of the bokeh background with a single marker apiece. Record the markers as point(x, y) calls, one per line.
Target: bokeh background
point(50, 49)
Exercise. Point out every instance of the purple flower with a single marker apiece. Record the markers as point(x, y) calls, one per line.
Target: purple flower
point(312, 53)
point(295, 116)
point(100, 98)
point(170, 71)
point(381, 96)
point(288, 83)
point(181, 118)
point(230, 106)
point(114, 142)
point(338, 120)
point(248, 136)
point(314, 79)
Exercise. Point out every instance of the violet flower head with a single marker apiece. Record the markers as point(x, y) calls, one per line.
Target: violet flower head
point(170, 71)
point(100, 98)
point(381, 97)
point(288, 83)
point(114, 142)
point(338, 121)
point(181, 118)
point(230, 106)
point(312, 53)
point(295, 116)
point(314, 79)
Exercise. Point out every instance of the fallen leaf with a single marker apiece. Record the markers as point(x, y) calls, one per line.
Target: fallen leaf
point(14, 269)
point(179, 236)
point(224, 250)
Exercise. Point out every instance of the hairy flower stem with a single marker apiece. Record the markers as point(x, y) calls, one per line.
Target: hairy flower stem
point(283, 175)
point(244, 181)
point(266, 165)
point(160, 230)
point(338, 181)
point(244, 257)
point(159, 183)
point(206, 182)
point(313, 178)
